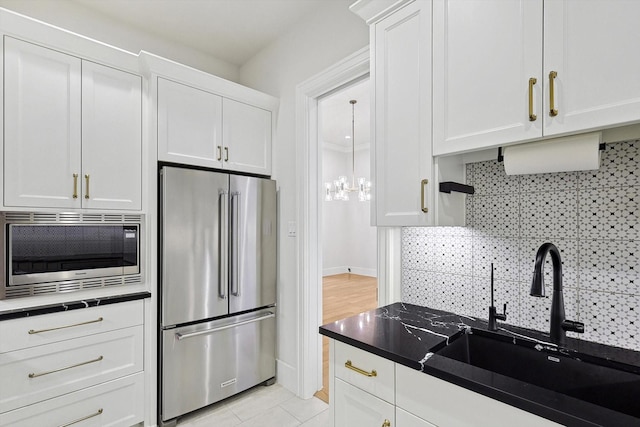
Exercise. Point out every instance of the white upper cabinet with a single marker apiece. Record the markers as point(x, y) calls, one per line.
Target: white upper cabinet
point(592, 46)
point(189, 125)
point(401, 72)
point(201, 128)
point(111, 138)
point(500, 65)
point(42, 126)
point(73, 131)
point(484, 54)
point(246, 134)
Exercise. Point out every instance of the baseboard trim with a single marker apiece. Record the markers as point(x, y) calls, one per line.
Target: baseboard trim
point(371, 272)
point(287, 376)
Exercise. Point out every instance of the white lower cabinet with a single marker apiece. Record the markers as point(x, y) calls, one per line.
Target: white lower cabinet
point(355, 407)
point(439, 402)
point(115, 403)
point(80, 367)
point(362, 397)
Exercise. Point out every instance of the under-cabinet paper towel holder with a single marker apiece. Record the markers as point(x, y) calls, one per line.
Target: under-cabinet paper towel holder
point(602, 147)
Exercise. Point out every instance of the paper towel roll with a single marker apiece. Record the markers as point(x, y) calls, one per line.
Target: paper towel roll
point(571, 153)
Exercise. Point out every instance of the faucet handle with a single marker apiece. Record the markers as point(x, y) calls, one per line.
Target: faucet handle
point(502, 316)
point(573, 326)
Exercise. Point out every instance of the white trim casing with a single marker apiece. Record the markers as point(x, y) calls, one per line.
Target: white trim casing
point(309, 263)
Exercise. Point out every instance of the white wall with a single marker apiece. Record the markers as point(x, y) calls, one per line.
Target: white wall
point(348, 241)
point(312, 46)
point(74, 17)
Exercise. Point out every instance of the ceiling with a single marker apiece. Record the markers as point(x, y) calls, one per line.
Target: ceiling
point(230, 30)
point(335, 117)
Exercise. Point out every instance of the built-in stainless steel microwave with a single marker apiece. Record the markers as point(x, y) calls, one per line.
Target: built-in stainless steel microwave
point(48, 253)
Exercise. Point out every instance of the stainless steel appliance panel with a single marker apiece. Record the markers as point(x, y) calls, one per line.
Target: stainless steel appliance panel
point(205, 363)
point(252, 275)
point(193, 243)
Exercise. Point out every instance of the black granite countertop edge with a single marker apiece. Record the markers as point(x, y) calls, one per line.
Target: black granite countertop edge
point(71, 305)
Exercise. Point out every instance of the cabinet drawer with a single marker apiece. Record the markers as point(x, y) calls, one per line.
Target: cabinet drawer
point(355, 407)
point(362, 365)
point(35, 374)
point(49, 328)
point(115, 403)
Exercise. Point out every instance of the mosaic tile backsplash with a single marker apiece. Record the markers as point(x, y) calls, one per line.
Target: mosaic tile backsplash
point(592, 217)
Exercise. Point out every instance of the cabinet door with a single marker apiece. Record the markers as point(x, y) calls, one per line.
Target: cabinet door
point(592, 46)
point(189, 125)
point(438, 402)
point(41, 125)
point(111, 138)
point(246, 134)
point(401, 74)
point(484, 54)
point(405, 419)
point(354, 407)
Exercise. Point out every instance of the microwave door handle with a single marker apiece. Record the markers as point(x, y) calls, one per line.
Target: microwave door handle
point(235, 250)
point(223, 243)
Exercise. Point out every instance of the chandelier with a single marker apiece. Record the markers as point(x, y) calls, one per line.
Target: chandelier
point(340, 188)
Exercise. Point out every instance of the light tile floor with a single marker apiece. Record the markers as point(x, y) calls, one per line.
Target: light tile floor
point(264, 407)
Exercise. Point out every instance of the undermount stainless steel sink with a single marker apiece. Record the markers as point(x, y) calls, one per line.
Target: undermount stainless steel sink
point(546, 367)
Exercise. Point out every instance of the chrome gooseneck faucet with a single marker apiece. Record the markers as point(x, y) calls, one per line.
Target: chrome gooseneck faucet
point(559, 324)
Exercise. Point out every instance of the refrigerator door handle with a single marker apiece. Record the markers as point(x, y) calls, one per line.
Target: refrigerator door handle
point(235, 254)
point(180, 336)
point(223, 244)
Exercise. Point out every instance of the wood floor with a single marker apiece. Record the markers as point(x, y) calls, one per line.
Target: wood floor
point(343, 295)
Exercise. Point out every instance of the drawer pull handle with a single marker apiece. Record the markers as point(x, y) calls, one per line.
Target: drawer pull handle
point(226, 154)
point(386, 423)
point(33, 331)
point(98, 412)
point(349, 365)
point(219, 153)
point(33, 375)
point(268, 315)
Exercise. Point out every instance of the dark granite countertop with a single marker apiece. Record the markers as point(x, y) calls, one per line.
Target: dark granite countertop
point(410, 335)
point(70, 305)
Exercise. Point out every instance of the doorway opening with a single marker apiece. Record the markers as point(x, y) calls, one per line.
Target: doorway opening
point(349, 242)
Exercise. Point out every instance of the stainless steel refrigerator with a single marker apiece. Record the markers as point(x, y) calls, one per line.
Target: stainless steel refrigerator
point(217, 287)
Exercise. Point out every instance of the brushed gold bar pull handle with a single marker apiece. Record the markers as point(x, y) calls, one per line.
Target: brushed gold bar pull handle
point(219, 153)
point(423, 184)
point(75, 185)
point(86, 192)
point(34, 375)
point(226, 154)
point(98, 412)
point(349, 365)
point(386, 423)
point(32, 331)
point(532, 117)
point(552, 109)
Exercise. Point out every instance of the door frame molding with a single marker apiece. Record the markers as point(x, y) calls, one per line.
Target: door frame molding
point(309, 263)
